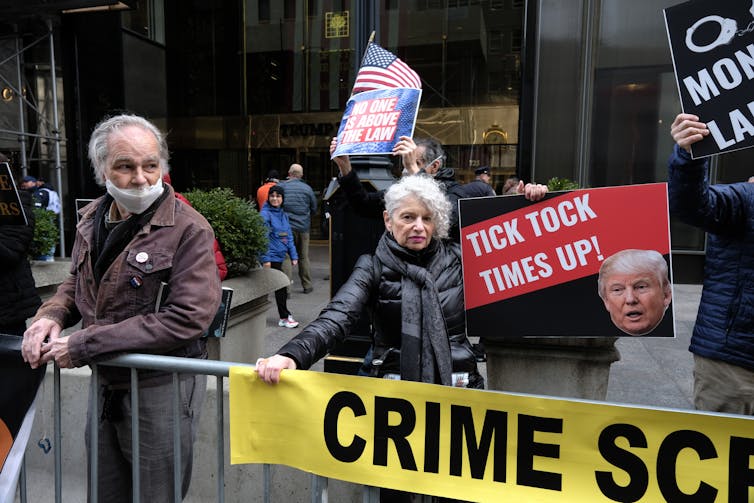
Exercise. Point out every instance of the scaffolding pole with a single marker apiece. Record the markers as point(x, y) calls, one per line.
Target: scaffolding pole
point(56, 132)
point(21, 124)
point(53, 126)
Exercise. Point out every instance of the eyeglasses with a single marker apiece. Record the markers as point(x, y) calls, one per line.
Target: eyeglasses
point(433, 161)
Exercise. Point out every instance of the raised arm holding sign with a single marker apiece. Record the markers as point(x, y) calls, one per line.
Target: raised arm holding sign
point(382, 107)
point(723, 336)
point(712, 45)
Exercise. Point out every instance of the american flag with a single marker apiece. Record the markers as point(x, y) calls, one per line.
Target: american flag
point(382, 69)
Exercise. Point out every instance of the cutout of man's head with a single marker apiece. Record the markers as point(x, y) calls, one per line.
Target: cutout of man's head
point(635, 287)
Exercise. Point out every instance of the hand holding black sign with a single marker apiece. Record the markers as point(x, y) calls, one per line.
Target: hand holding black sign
point(712, 44)
point(11, 210)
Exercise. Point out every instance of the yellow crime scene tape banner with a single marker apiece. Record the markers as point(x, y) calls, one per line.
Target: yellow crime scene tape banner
point(484, 445)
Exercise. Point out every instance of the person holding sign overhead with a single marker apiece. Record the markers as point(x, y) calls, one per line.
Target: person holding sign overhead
point(723, 336)
point(421, 156)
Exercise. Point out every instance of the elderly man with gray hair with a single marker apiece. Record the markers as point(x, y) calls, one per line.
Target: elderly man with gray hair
point(129, 243)
point(635, 288)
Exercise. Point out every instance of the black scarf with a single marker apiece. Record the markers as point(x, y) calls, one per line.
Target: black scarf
point(110, 242)
point(425, 347)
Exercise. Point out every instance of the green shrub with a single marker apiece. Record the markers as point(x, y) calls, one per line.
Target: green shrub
point(238, 227)
point(46, 232)
point(556, 183)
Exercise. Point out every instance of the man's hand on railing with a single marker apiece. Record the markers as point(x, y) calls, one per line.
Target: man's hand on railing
point(57, 349)
point(269, 368)
point(38, 340)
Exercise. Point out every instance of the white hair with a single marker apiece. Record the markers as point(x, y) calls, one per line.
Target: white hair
point(99, 142)
point(428, 192)
point(632, 261)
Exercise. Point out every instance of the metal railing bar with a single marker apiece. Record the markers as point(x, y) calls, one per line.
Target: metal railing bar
point(318, 489)
point(220, 440)
point(371, 494)
point(58, 447)
point(135, 457)
point(174, 364)
point(176, 439)
point(266, 478)
point(94, 435)
point(22, 481)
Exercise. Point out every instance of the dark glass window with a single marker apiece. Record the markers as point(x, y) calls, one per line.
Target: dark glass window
point(263, 10)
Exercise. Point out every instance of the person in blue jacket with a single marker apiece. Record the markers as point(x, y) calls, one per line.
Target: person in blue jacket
point(723, 336)
point(280, 237)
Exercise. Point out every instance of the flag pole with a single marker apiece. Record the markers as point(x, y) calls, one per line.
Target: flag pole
point(369, 42)
point(364, 56)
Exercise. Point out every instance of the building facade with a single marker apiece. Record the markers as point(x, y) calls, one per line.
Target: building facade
point(582, 90)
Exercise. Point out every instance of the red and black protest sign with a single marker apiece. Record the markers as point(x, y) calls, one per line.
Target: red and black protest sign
point(531, 269)
point(712, 44)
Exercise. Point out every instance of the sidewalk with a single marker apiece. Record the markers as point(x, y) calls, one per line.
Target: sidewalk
point(651, 371)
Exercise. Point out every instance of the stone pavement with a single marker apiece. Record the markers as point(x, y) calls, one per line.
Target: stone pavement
point(651, 371)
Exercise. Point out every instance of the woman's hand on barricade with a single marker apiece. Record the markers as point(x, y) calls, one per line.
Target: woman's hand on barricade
point(269, 368)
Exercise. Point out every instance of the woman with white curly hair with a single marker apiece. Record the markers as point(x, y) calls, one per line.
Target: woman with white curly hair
point(413, 285)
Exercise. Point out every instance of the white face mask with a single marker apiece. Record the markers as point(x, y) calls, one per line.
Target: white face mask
point(135, 200)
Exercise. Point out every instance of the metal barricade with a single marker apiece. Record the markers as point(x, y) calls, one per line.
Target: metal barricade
point(175, 366)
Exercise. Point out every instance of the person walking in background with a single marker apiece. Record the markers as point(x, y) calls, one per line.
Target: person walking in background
point(723, 338)
point(480, 186)
point(19, 300)
point(272, 179)
point(280, 237)
point(46, 198)
point(43, 193)
point(300, 205)
point(129, 244)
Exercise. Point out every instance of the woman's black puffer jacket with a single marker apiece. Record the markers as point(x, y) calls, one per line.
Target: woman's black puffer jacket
point(378, 288)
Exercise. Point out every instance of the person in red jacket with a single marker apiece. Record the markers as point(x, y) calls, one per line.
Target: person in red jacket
point(222, 267)
point(263, 191)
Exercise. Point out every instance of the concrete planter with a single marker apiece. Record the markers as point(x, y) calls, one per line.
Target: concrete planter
point(244, 339)
point(566, 367)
